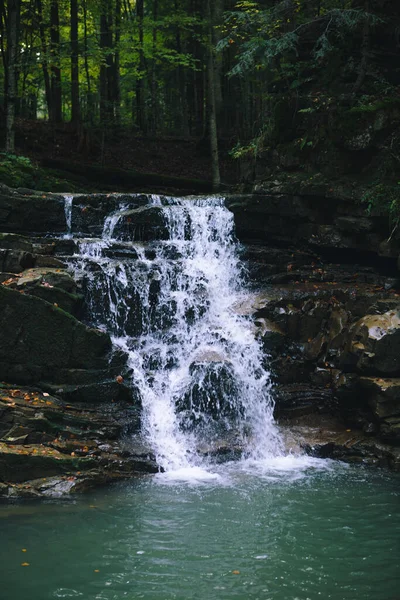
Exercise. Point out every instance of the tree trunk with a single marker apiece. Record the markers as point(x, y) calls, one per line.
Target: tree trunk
point(364, 50)
point(46, 77)
point(140, 113)
point(56, 97)
point(212, 112)
point(75, 108)
point(116, 78)
point(154, 83)
point(14, 8)
point(106, 68)
point(90, 107)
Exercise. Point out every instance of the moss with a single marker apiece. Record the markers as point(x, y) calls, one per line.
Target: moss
point(375, 106)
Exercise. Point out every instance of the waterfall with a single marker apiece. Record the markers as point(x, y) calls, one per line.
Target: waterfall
point(169, 303)
point(68, 200)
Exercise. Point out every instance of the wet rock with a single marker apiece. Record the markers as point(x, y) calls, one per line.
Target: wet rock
point(301, 399)
point(142, 224)
point(325, 436)
point(36, 338)
point(49, 447)
point(29, 214)
point(12, 241)
point(15, 261)
point(213, 394)
point(47, 277)
point(374, 345)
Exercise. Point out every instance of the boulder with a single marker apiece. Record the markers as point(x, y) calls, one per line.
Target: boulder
point(15, 261)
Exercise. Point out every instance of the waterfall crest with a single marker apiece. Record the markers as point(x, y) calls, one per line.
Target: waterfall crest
point(169, 304)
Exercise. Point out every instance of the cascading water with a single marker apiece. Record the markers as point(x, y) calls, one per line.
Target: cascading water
point(170, 305)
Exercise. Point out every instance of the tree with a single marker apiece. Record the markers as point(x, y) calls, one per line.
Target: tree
point(13, 11)
point(75, 107)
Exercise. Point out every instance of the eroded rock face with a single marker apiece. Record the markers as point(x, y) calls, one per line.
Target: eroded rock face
point(373, 346)
point(20, 213)
point(50, 448)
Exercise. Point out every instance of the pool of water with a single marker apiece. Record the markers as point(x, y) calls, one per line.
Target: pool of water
point(284, 530)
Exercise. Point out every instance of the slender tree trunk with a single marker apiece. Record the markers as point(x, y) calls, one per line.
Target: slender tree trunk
point(212, 112)
point(182, 119)
point(140, 112)
point(46, 77)
point(75, 107)
point(154, 84)
point(89, 117)
point(217, 22)
point(365, 44)
point(55, 62)
point(107, 67)
point(117, 82)
point(14, 8)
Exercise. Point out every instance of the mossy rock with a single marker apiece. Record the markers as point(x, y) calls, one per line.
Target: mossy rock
point(36, 337)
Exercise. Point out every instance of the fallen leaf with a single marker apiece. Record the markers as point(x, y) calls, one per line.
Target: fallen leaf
point(236, 572)
point(97, 570)
point(25, 564)
point(23, 549)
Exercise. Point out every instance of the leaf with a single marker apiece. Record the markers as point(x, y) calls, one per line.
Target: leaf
point(24, 564)
point(235, 572)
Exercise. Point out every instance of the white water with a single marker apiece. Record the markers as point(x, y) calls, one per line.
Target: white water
point(196, 362)
point(68, 214)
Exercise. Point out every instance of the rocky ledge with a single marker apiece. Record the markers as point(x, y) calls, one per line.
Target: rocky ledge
point(326, 304)
point(65, 411)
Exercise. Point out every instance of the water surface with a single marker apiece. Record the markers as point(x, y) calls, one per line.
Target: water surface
point(294, 529)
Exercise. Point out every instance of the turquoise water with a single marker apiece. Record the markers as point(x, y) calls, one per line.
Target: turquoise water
point(291, 529)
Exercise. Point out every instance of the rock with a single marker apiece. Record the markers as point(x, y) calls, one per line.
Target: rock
point(374, 345)
point(142, 224)
point(29, 214)
point(325, 436)
point(15, 261)
point(12, 241)
point(212, 396)
point(49, 261)
point(383, 397)
point(36, 282)
point(47, 277)
point(36, 338)
point(48, 447)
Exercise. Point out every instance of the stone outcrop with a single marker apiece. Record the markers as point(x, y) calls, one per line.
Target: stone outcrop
point(327, 308)
point(49, 447)
point(65, 406)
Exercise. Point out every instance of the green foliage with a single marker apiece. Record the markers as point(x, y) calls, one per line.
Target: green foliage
point(369, 104)
point(16, 171)
point(265, 37)
point(384, 199)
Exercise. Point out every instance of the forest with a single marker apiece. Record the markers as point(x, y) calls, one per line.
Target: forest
point(236, 78)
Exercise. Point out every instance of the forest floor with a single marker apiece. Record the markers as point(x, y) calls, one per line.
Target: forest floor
point(44, 143)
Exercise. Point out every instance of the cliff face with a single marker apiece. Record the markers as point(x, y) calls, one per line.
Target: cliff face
point(327, 303)
point(64, 406)
point(324, 297)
